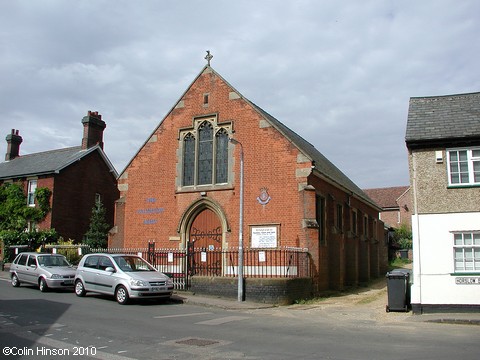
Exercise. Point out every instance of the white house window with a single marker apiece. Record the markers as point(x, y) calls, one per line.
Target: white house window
point(464, 166)
point(205, 154)
point(466, 247)
point(32, 186)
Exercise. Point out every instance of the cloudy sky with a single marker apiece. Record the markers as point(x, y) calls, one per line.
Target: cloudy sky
point(339, 73)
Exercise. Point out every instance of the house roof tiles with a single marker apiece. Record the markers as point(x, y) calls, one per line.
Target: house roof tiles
point(46, 162)
point(386, 197)
point(438, 118)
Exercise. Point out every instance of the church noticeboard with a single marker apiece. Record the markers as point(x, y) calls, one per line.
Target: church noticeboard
point(264, 236)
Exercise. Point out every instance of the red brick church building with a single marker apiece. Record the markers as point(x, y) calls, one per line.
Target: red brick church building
point(183, 187)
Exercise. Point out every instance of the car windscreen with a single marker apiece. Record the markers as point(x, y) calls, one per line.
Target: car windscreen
point(132, 264)
point(52, 260)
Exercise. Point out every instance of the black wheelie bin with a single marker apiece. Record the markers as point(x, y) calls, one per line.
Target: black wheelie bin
point(398, 287)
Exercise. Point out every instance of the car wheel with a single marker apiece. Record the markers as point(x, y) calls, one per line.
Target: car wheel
point(79, 288)
point(42, 285)
point(121, 295)
point(15, 281)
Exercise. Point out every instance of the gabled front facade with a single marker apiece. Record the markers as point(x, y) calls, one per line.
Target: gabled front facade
point(183, 186)
point(76, 176)
point(443, 141)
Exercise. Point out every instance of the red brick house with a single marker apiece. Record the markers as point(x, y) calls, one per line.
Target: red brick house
point(396, 204)
point(77, 176)
point(182, 188)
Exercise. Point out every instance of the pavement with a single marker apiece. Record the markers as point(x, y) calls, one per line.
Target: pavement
point(364, 304)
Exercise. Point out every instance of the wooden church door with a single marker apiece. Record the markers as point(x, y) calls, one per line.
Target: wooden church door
point(205, 245)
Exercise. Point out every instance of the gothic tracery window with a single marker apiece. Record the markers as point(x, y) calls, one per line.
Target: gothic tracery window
point(205, 155)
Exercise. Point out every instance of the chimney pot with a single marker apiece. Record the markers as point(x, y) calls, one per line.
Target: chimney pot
point(13, 145)
point(93, 128)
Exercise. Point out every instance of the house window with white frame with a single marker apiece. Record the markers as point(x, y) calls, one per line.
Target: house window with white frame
point(466, 248)
point(32, 186)
point(463, 166)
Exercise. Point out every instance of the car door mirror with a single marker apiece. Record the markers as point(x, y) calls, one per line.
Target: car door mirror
point(110, 269)
point(33, 266)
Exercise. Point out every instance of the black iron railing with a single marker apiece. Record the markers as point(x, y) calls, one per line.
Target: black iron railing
point(285, 262)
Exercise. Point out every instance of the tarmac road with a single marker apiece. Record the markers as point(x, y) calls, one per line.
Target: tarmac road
point(349, 327)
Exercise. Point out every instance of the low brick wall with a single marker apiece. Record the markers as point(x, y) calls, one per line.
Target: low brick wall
point(280, 291)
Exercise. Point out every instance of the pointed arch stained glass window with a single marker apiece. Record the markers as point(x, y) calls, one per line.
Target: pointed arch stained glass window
point(221, 157)
point(205, 153)
point(188, 160)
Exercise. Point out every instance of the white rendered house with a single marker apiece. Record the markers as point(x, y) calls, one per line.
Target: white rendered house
point(443, 141)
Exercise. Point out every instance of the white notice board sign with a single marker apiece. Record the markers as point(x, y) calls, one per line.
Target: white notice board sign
point(264, 237)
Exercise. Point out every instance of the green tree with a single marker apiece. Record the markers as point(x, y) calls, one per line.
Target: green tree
point(97, 235)
point(403, 237)
point(15, 216)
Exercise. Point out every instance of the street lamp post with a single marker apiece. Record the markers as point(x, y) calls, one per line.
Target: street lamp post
point(240, 225)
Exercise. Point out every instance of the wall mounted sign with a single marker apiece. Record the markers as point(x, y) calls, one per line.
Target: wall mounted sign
point(264, 236)
point(467, 280)
point(263, 198)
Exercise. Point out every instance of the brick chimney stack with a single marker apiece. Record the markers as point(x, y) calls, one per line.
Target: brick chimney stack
point(93, 127)
point(13, 145)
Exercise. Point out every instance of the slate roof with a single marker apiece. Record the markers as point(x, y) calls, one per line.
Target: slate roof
point(386, 197)
point(322, 164)
point(439, 119)
point(47, 162)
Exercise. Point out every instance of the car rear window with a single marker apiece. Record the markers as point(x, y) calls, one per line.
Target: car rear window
point(23, 259)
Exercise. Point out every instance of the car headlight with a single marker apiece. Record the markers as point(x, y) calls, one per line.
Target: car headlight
point(169, 281)
point(56, 276)
point(134, 282)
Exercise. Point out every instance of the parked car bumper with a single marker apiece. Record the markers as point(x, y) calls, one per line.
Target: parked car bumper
point(151, 293)
point(59, 283)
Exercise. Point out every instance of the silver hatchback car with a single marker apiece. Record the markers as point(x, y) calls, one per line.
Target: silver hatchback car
point(121, 275)
point(45, 270)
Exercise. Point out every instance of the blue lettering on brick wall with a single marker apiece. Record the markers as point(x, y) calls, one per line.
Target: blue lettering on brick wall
point(151, 211)
point(149, 221)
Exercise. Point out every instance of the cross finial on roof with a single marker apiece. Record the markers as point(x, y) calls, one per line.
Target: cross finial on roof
point(208, 57)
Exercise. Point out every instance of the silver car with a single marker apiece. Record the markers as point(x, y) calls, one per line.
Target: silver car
point(45, 270)
point(121, 275)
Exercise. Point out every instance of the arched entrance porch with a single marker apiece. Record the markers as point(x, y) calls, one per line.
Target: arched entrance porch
point(203, 230)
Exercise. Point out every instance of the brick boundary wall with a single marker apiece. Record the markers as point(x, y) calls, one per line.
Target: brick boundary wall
point(270, 291)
